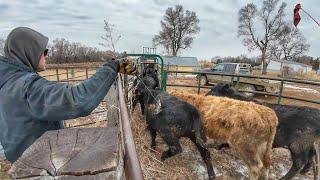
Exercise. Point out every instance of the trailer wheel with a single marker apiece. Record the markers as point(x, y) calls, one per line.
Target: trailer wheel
point(203, 80)
point(248, 87)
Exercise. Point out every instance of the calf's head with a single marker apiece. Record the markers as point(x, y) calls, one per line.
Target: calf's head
point(222, 89)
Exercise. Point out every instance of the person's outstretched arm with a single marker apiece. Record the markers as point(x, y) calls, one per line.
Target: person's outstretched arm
point(53, 101)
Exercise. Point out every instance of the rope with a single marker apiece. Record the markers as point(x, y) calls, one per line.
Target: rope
point(155, 98)
point(146, 88)
point(310, 17)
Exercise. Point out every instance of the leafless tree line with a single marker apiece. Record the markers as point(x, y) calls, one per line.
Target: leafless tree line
point(63, 51)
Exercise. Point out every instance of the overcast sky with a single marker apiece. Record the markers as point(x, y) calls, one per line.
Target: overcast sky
point(138, 20)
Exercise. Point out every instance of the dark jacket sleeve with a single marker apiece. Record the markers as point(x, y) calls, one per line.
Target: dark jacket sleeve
point(54, 101)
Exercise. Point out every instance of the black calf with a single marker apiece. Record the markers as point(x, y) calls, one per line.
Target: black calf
point(146, 82)
point(173, 118)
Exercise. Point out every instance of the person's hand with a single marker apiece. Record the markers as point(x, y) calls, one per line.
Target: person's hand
point(127, 66)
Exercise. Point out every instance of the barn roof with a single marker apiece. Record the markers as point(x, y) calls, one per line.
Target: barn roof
point(180, 61)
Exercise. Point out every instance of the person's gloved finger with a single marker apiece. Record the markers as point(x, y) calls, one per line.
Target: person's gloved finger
point(134, 69)
point(131, 68)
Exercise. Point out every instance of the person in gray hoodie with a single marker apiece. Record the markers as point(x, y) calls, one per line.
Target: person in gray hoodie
point(30, 105)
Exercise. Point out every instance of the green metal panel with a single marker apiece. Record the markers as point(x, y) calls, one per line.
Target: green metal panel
point(199, 80)
point(164, 85)
point(281, 91)
point(238, 81)
point(154, 57)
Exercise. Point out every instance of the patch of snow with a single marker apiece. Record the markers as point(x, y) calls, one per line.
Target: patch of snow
point(184, 75)
point(217, 172)
point(302, 89)
point(240, 168)
point(199, 167)
point(200, 170)
point(282, 169)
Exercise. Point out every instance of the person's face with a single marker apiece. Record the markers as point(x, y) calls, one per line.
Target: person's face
point(42, 62)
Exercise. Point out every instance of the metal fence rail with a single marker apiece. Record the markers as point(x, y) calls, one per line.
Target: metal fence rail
point(131, 161)
point(66, 72)
point(279, 94)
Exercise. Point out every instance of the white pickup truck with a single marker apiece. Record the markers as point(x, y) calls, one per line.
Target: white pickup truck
point(250, 84)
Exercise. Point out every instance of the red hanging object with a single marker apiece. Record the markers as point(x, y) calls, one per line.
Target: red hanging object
point(296, 15)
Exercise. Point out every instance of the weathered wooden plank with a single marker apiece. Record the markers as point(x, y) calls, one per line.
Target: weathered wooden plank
point(112, 100)
point(87, 153)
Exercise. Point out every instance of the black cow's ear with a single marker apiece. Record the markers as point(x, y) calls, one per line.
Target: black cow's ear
point(137, 92)
point(226, 86)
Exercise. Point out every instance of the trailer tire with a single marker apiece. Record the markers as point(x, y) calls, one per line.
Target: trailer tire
point(248, 87)
point(203, 80)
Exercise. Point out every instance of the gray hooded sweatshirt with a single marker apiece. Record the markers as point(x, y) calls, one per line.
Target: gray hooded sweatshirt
point(31, 105)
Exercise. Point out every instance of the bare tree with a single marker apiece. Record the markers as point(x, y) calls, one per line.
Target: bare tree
point(111, 37)
point(178, 29)
point(289, 45)
point(63, 51)
point(271, 15)
point(2, 42)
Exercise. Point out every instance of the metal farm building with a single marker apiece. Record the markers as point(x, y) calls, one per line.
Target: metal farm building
point(181, 63)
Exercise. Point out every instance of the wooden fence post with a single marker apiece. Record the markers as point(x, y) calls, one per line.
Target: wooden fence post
point(87, 76)
point(67, 75)
point(57, 73)
point(199, 80)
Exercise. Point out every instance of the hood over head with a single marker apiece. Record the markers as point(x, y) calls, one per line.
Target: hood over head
point(25, 45)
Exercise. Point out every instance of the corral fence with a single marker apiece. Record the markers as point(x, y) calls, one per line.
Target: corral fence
point(70, 73)
point(278, 94)
point(118, 114)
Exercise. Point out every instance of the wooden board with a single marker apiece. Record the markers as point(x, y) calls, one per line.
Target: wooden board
point(112, 105)
point(79, 153)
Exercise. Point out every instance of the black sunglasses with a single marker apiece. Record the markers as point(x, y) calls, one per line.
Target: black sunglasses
point(45, 53)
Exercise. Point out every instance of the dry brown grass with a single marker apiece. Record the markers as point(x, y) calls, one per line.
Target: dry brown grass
point(151, 164)
point(5, 166)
